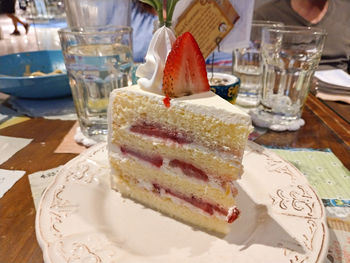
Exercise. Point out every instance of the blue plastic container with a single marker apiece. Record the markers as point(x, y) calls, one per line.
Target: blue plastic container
point(13, 81)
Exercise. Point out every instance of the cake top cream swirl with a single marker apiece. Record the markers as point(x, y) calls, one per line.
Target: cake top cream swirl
point(151, 72)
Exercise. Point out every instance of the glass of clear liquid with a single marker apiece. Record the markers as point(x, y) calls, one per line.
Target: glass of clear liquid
point(83, 13)
point(98, 60)
point(290, 57)
point(248, 66)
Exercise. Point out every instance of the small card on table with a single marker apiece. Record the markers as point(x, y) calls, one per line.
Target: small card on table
point(208, 23)
point(213, 22)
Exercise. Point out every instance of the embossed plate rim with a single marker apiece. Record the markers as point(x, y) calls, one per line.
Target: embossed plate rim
point(291, 202)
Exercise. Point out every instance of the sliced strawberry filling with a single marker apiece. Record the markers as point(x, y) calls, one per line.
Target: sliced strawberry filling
point(205, 206)
point(156, 130)
point(189, 169)
point(233, 216)
point(155, 160)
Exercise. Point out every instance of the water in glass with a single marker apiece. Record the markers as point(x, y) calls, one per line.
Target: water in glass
point(94, 71)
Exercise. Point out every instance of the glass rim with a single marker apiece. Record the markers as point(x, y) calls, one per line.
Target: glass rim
point(267, 23)
point(93, 30)
point(297, 29)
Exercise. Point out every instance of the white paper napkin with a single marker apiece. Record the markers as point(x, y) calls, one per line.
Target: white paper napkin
point(3, 117)
point(7, 179)
point(333, 97)
point(336, 77)
point(39, 181)
point(10, 145)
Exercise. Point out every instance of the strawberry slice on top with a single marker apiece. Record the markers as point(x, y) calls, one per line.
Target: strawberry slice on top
point(185, 72)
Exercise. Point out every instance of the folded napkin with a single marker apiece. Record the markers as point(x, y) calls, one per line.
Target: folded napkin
point(3, 117)
point(333, 85)
point(61, 108)
point(8, 178)
point(9, 121)
point(39, 181)
point(10, 145)
point(333, 97)
point(5, 112)
point(334, 77)
point(72, 144)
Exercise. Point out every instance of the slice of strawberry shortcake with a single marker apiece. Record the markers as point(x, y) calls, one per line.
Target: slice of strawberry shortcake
point(179, 148)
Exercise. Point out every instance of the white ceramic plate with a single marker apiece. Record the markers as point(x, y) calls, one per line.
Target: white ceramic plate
point(80, 219)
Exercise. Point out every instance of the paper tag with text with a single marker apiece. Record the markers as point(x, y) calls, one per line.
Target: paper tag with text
point(226, 22)
point(207, 22)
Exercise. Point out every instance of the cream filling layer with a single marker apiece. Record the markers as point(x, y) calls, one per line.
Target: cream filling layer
point(116, 153)
point(149, 187)
point(225, 155)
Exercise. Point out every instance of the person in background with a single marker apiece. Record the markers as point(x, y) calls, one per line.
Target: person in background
point(142, 22)
point(331, 15)
point(8, 7)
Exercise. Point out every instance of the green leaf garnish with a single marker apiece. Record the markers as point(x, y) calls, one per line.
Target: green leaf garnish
point(170, 7)
point(158, 6)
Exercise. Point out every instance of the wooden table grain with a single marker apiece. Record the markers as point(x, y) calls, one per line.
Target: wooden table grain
point(324, 129)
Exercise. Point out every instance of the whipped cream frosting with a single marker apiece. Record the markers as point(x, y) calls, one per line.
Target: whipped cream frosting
point(204, 103)
point(151, 72)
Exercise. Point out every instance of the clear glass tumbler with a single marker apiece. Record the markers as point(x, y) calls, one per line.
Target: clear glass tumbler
point(98, 60)
point(290, 56)
point(83, 13)
point(248, 66)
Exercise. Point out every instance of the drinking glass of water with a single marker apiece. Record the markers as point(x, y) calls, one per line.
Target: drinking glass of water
point(83, 13)
point(290, 55)
point(98, 60)
point(248, 66)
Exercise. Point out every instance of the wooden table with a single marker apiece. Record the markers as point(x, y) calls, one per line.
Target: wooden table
point(324, 129)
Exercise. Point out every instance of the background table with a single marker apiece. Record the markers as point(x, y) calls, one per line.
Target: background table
point(324, 129)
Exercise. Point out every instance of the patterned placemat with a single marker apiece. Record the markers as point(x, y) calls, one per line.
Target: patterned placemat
point(331, 180)
point(324, 171)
